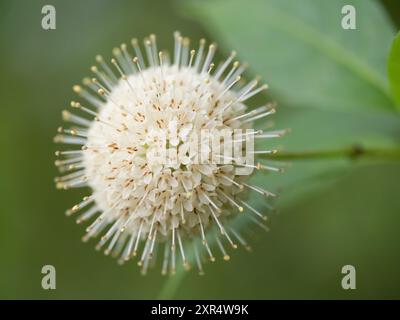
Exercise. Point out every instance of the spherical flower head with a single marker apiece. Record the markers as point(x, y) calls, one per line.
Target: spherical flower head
point(167, 153)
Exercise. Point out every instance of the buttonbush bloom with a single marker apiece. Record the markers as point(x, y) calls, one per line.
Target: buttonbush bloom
point(133, 110)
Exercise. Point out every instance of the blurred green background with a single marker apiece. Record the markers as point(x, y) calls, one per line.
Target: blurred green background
point(328, 83)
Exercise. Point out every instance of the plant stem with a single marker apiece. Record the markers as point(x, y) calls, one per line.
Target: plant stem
point(352, 152)
point(172, 285)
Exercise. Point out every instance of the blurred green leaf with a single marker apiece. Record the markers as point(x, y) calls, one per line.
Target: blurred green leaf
point(394, 69)
point(301, 49)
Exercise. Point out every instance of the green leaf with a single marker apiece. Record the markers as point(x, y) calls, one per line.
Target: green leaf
point(394, 69)
point(302, 51)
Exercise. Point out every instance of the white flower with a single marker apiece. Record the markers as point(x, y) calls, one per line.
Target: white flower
point(142, 200)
